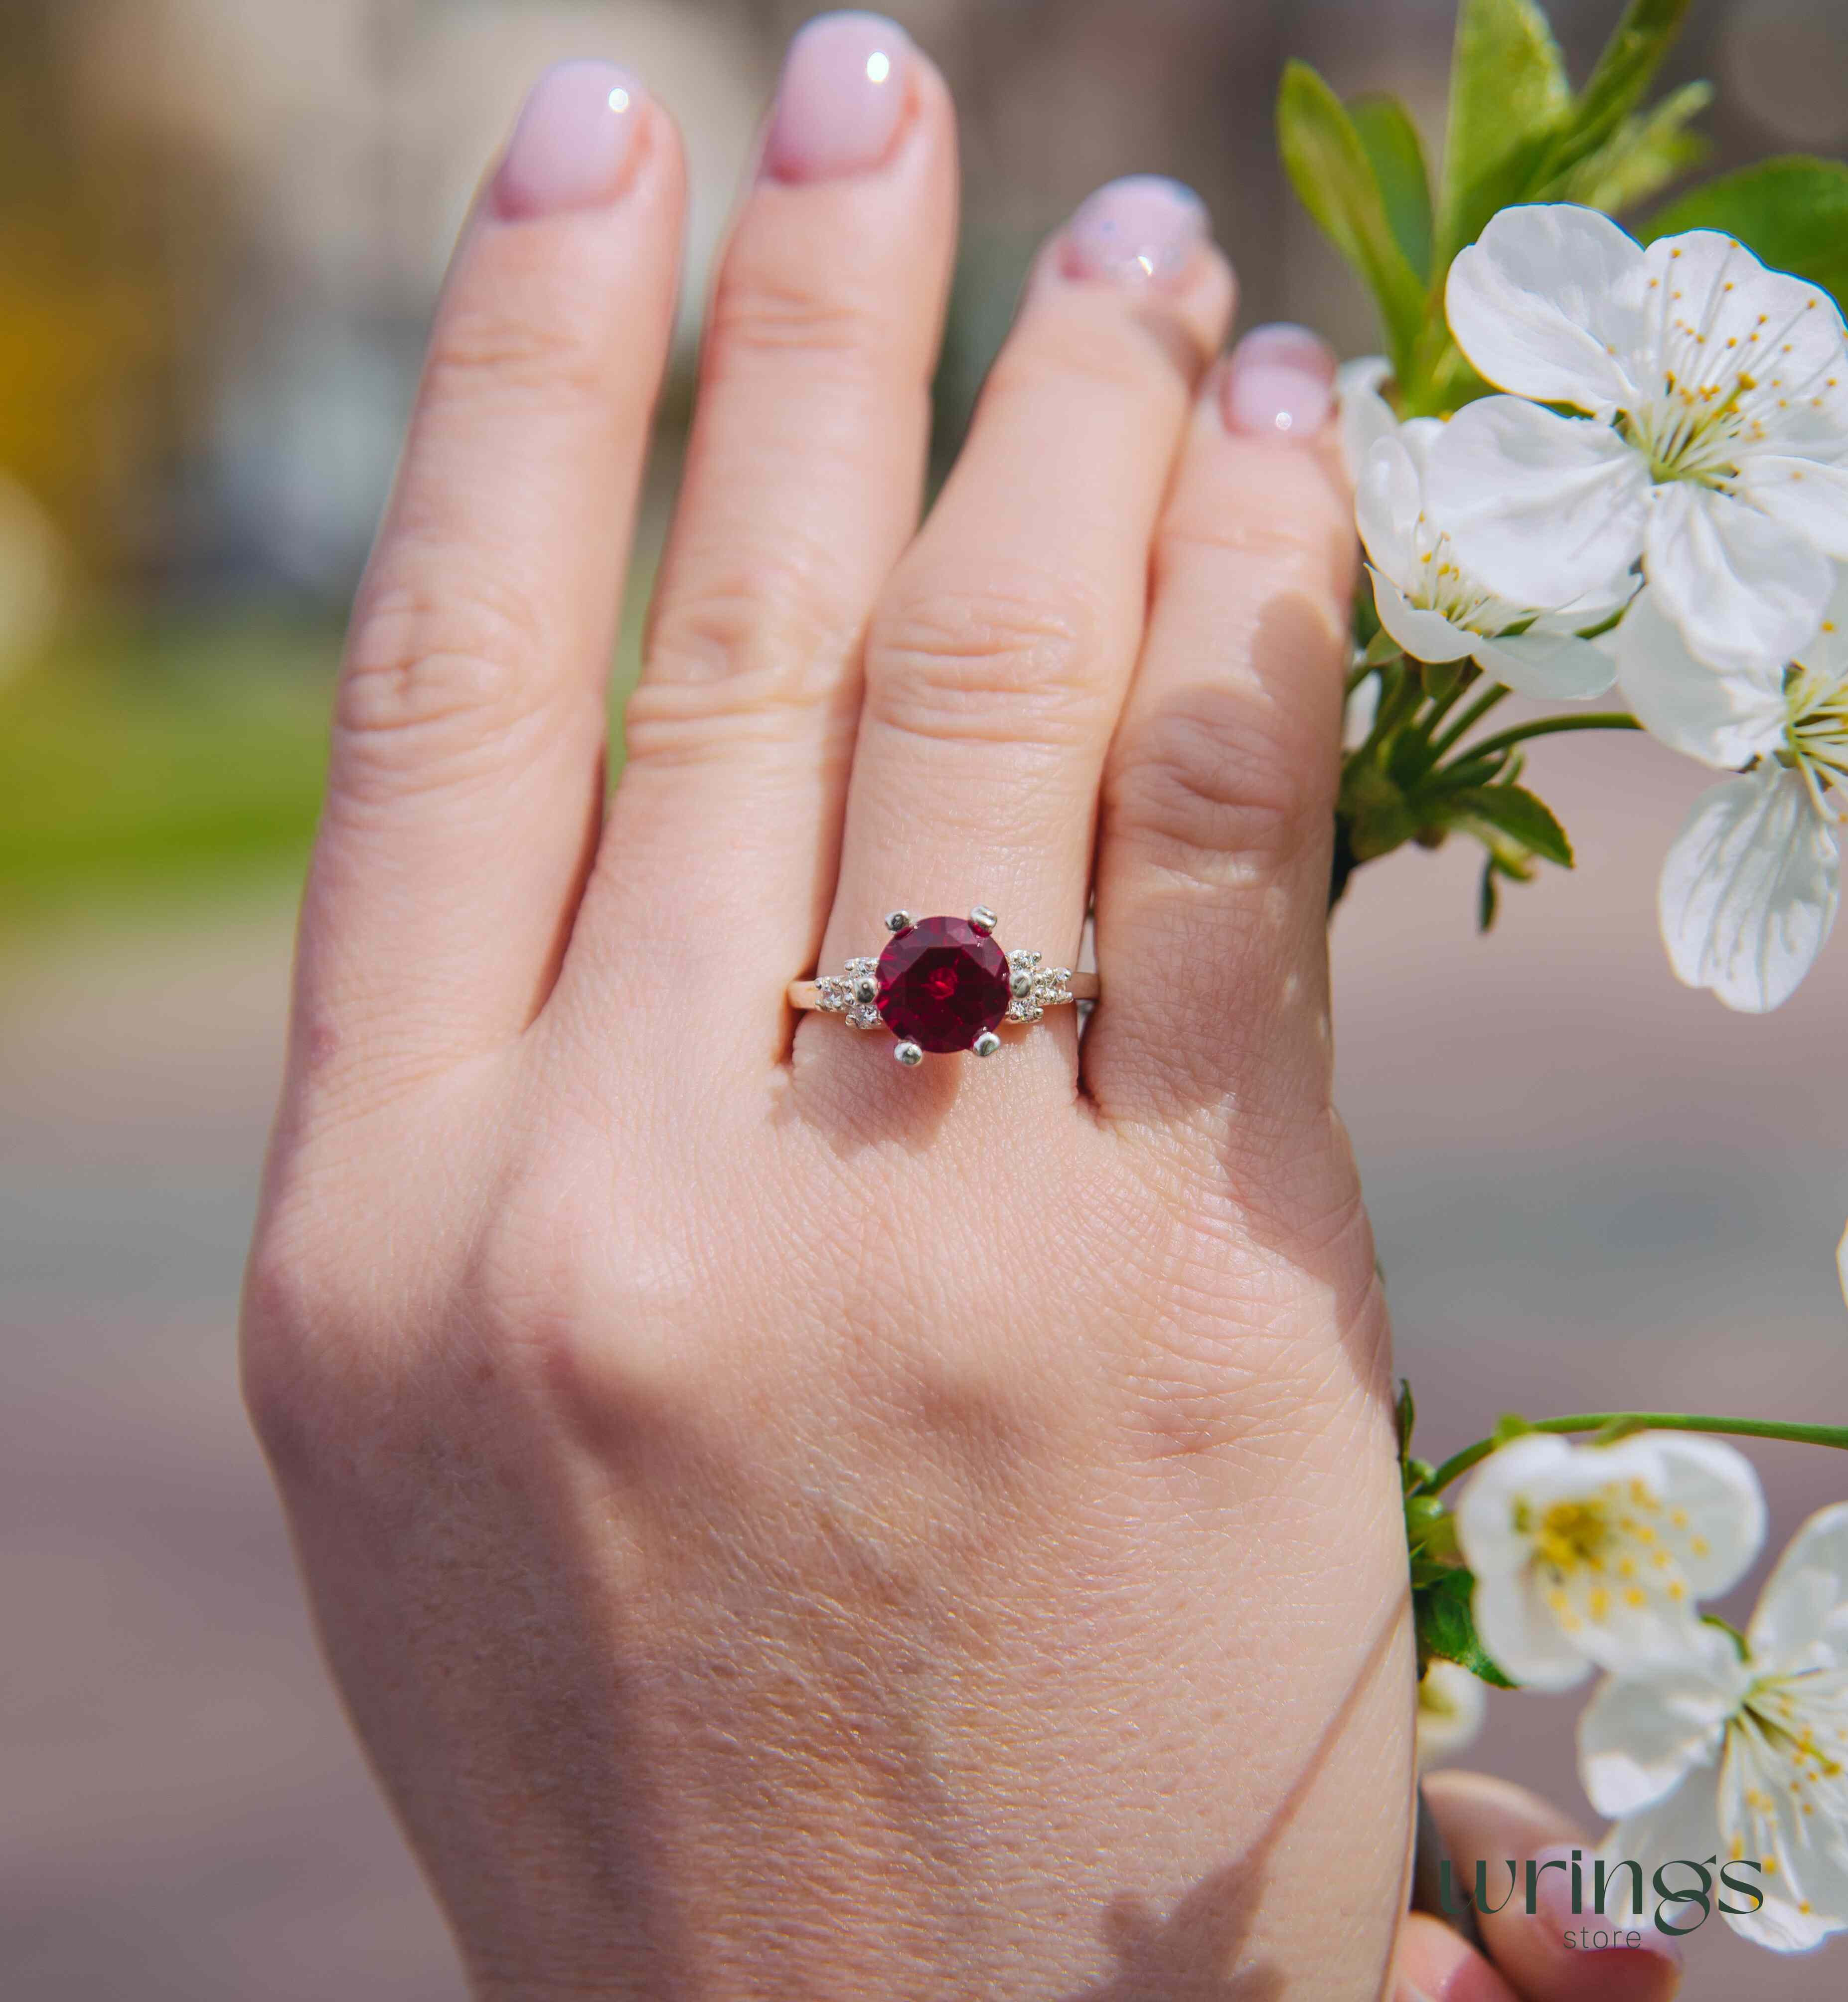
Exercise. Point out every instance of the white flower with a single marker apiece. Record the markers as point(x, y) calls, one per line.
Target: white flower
point(1744, 1761)
point(1362, 415)
point(1436, 611)
point(1451, 1705)
point(1588, 1553)
point(1750, 889)
point(1715, 447)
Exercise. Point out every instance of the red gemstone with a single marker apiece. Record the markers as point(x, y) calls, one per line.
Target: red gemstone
point(942, 983)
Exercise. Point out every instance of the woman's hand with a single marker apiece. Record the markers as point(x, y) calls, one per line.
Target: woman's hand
point(787, 1524)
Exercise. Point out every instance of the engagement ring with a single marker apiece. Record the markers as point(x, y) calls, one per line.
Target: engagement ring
point(943, 984)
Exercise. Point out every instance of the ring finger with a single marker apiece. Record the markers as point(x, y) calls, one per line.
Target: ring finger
point(997, 660)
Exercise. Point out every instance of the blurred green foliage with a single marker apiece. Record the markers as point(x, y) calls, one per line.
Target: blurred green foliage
point(136, 761)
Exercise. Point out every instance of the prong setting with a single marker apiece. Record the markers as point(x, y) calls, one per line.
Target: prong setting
point(1021, 983)
point(907, 1053)
point(986, 1044)
point(982, 920)
point(897, 921)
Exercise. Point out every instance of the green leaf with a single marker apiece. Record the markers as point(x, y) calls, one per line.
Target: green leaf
point(1488, 898)
point(1330, 168)
point(1643, 155)
point(1446, 1627)
point(1615, 87)
point(1398, 155)
point(1515, 812)
point(1508, 99)
point(1510, 1425)
point(1791, 212)
point(1407, 1415)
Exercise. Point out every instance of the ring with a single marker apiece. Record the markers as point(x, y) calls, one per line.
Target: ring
point(943, 984)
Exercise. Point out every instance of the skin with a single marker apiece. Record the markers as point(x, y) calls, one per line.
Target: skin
point(785, 1525)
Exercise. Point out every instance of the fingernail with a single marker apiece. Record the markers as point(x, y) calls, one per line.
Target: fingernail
point(1594, 1932)
point(575, 134)
point(1143, 231)
point(1280, 383)
point(845, 82)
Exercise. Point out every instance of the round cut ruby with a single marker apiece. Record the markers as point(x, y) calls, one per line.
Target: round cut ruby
point(942, 983)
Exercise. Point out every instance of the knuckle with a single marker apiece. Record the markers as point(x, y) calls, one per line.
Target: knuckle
point(461, 666)
point(764, 633)
point(1074, 350)
point(763, 309)
point(1296, 532)
point(296, 1345)
point(550, 352)
point(1009, 665)
point(1211, 778)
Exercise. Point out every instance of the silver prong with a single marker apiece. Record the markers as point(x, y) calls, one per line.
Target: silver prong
point(982, 920)
point(1021, 985)
point(866, 991)
point(909, 1055)
point(897, 921)
point(986, 1044)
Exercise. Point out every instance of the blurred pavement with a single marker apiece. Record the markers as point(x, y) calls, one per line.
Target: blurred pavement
point(1591, 1188)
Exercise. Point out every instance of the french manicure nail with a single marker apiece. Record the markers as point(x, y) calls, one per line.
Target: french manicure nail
point(1594, 1931)
point(845, 82)
point(1138, 231)
point(1280, 383)
point(575, 134)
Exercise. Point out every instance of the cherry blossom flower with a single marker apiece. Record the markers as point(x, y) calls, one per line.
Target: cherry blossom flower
point(1714, 445)
point(1451, 1702)
point(1743, 1759)
point(1586, 1554)
point(1750, 888)
point(1437, 611)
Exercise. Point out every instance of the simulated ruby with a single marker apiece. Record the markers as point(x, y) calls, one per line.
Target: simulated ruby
point(941, 983)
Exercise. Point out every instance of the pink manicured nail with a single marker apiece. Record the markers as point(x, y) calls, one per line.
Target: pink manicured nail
point(1280, 383)
point(845, 83)
point(1590, 1932)
point(1143, 231)
point(572, 141)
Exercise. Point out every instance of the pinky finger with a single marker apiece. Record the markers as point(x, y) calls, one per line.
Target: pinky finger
point(1436, 1965)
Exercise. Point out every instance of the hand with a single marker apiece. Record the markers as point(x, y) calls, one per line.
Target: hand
point(787, 1524)
point(1526, 1958)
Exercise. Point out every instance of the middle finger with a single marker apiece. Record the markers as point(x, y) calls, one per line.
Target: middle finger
point(996, 663)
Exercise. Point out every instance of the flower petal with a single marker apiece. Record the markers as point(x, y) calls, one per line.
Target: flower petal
point(1542, 509)
point(1715, 1506)
point(1803, 1868)
point(1809, 498)
point(1640, 1737)
point(1362, 415)
point(1451, 1704)
point(1426, 636)
point(1804, 1604)
point(1547, 303)
point(1826, 654)
point(1743, 591)
point(1388, 502)
point(1683, 1826)
point(1551, 667)
point(1726, 717)
point(1748, 891)
point(1521, 1637)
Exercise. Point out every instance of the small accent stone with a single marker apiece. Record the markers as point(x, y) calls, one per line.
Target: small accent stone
point(942, 984)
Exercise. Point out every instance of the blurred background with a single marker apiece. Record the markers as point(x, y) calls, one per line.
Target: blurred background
point(222, 225)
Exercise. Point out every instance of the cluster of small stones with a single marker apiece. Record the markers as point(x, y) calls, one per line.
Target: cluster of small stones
point(1035, 989)
point(852, 993)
